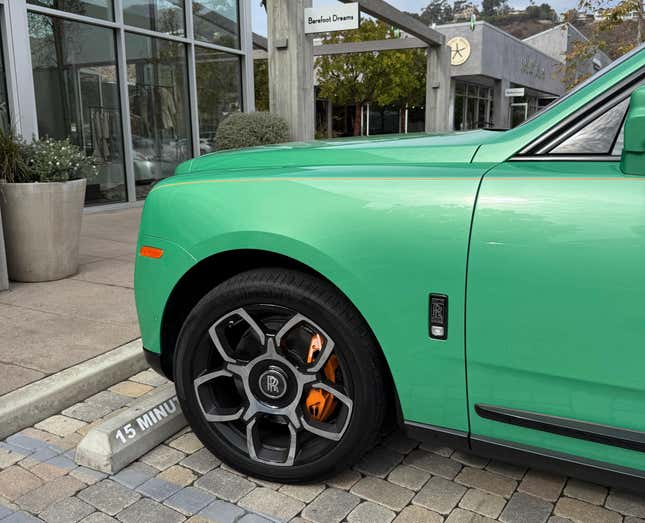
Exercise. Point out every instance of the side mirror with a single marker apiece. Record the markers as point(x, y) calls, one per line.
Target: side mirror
point(633, 157)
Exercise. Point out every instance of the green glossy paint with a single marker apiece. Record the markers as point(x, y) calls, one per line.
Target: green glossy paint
point(556, 307)
point(553, 314)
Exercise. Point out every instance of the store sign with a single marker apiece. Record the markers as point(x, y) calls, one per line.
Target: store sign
point(337, 18)
point(532, 67)
point(516, 91)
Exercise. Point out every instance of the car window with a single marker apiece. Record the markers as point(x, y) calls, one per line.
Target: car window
point(599, 136)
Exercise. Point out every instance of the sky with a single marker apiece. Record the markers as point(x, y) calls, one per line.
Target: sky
point(414, 6)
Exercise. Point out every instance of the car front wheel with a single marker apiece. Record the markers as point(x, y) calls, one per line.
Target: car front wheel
point(280, 377)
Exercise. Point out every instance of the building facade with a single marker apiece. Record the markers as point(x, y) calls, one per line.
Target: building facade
point(496, 80)
point(139, 85)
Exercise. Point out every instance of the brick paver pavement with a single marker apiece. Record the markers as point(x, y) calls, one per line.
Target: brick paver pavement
point(401, 480)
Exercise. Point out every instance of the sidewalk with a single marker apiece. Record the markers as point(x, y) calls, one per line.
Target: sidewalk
point(47, 327)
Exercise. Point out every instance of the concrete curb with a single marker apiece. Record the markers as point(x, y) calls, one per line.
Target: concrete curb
point(32, 403)
point(123, 438)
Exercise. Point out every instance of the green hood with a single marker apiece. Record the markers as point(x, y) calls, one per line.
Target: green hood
point(382, 150)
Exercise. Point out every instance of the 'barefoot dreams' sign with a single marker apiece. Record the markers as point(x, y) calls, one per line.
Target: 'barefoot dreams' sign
point(336, 18)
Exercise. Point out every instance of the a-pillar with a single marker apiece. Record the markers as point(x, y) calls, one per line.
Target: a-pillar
point(291, 66)
point(501, 105)
point(438, 89)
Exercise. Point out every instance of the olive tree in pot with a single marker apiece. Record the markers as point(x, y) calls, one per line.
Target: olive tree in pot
point(41, 200)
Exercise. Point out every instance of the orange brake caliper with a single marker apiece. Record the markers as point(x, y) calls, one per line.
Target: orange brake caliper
point(320, 403)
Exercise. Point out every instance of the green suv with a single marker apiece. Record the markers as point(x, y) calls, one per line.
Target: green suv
point(485, 288)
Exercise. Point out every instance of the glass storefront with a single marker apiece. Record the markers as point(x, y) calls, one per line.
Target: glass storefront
point(102, 9)
point(219, 92)
point(159, 108)
point(77, 96)
point(138, 109)
point(473, 106)
point(216, 21)
point(163, 16)
point(4, 102)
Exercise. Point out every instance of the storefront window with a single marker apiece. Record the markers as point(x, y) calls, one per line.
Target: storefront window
point(95, 8)
point(4, 104)
point(77, 96)
point(473, 106)
point(164, 16)
point(219, 92)
point(216, 21)
point(159, 108)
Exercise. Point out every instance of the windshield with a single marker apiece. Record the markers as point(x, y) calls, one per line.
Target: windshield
point(589, 80)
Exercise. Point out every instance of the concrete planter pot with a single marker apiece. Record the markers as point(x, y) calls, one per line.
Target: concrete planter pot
point(42, 228)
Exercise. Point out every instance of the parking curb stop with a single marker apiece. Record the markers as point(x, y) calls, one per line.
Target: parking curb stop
point(120, 440)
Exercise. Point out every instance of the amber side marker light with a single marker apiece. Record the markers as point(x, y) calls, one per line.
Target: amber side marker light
point(151, 252)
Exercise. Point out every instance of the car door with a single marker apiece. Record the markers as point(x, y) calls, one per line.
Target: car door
point(556, 295)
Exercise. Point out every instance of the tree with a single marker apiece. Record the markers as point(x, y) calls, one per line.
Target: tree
point(436, 12)
point(621, 28)
point(261, 80)
point(357, 78)
point(492, 7)
point(541, 12)
point(408, 83)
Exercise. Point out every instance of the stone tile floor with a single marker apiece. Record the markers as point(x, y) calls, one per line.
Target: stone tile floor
point(401, 481)
point(50, 326)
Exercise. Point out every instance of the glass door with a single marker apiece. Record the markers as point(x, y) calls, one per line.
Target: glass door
point(519, 113)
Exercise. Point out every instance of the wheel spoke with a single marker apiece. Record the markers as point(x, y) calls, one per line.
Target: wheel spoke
point(333, 431)
point(254, 445)
point(241, 313)
point(217, 414)
point(327, 350)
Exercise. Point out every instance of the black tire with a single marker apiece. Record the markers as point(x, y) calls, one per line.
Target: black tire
point(357, 352)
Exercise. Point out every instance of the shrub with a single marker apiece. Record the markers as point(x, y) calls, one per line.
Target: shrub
point(251, 129)
point(13, 166)
point(50, 160)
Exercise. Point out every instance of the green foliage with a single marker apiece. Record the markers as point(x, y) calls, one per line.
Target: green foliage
point(251, 129)
point(494, 7)
point(50, 160)
point(615, 34)
point(13, 166)
point(437, 12)
point(541, 12)
point(261, 78)
point(385, 78)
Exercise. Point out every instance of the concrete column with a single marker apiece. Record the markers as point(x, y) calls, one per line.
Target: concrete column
point(246, 37)
point(330, 118)
point(501, 105)
point(438, 89)
point(20, 80)
point(291, 66)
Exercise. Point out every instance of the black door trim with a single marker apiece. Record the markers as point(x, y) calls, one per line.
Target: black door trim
point(605, 434)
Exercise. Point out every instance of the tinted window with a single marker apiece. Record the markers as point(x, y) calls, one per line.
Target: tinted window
point(77, 96)
point(597, 137)
point(94, 8)
point(159, 110)
point(165, 16)
point(216, 21)
point(219, 92)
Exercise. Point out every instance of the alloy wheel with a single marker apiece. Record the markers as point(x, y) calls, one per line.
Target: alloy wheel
point(270, 381)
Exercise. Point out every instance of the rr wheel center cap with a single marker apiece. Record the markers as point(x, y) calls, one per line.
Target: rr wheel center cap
point(273, 383)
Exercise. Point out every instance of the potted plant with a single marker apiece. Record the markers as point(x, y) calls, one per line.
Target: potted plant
point(41, 201)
